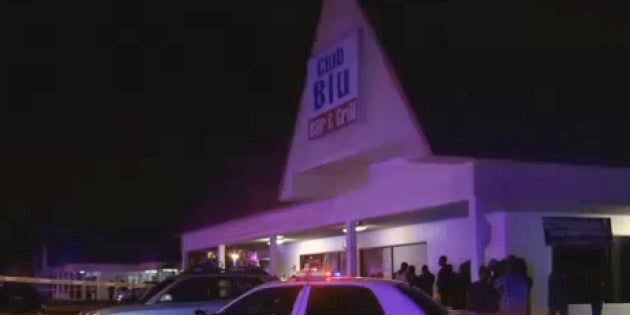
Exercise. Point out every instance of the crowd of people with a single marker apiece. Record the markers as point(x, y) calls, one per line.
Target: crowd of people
point(503, 287)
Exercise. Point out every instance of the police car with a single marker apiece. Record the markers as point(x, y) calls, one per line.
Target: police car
point(185, 293)
point(316, 293)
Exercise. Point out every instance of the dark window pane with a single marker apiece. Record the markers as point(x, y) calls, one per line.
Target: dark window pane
point(151, 34)
point(435, 35)
point(581, 265)
point(277, 301)
point(343, 300)
point(40, 35)
point(192, 290)
point(128, 68)
point(173, 56)
point(244, 284)
point(128, 13)
point(105, 35)
point(155, 290)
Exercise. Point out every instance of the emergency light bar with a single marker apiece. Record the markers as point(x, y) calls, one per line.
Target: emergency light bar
point(315, 274)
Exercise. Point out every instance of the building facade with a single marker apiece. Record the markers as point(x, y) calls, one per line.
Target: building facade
point(366, 193)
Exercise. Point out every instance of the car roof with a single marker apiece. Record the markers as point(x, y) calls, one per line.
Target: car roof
point(333, 281)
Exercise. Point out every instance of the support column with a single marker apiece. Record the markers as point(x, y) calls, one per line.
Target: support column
point(475, 217)
point(221, 255)
point(351, 249)
point(273, 255)
point(57, 286)
point(84, 296)
point(185, 260)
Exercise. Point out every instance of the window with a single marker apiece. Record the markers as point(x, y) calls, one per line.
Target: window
point(424, 302)
point(621, 275)
point(581, 264)
point(343, 300)
point(189, 290)
point(277, 301)
point(155, 290)
point(209, 288)
point(244, 284)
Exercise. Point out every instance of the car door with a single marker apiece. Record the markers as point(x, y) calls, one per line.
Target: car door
point(203, 293)
point(187, 295)
point(279, 300)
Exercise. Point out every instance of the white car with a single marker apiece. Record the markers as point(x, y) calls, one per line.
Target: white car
point(187, 292)
point(332, 295)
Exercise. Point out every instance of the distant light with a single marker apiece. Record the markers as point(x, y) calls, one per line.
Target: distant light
point(234, 256)
point(358, 228)
point(82, 271)
point(279, 240)
point(151, 271)
point(337, 274)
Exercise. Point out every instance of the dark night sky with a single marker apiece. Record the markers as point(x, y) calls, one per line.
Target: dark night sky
point(127, 121)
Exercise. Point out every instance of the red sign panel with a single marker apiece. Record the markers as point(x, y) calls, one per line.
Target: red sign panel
point(334, 119)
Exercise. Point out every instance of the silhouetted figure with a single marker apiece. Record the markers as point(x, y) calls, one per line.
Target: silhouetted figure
point(460, 287)
point(514, 290)
point(598, 291)
point(482, 296)
point(445, 281)
point(412, 277)
point(401, 274)
point(558, 297)
point(426, 280)
point(521, 268)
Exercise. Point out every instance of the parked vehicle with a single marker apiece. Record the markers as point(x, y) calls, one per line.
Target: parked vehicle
point(331, 295)
point(19, 298)
point(190, 290)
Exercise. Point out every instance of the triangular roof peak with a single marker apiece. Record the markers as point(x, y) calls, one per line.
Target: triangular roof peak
point(353, 111)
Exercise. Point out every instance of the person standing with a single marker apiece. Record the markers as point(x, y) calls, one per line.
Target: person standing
point(445, 281)
point(514, 290)
point(597, 294)
point(401, 274)
point(558, 298)
point(412, 277)
point(426, 280)
point(482, 297)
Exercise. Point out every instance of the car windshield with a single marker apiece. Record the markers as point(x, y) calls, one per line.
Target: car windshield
point(423, 301)
point(155, 290)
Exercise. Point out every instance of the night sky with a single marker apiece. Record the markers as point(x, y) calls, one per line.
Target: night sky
point(126, 122)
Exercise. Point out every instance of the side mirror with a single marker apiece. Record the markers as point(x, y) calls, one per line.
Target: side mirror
point(166, 298)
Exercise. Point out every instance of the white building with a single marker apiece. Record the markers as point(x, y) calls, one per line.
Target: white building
point(359, 162)
point(128, 273)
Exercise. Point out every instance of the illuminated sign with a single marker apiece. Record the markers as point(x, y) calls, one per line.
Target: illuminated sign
point(577, 231)
point(333, 87)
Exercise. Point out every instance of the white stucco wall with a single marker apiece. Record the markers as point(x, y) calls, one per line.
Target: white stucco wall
point(386, 127)
point(525, 238)
point(394, 187)
point(447, 237)
point(496, 247)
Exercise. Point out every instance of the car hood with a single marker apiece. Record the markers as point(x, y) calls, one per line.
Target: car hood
point(127, 309)
point(148, 309)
